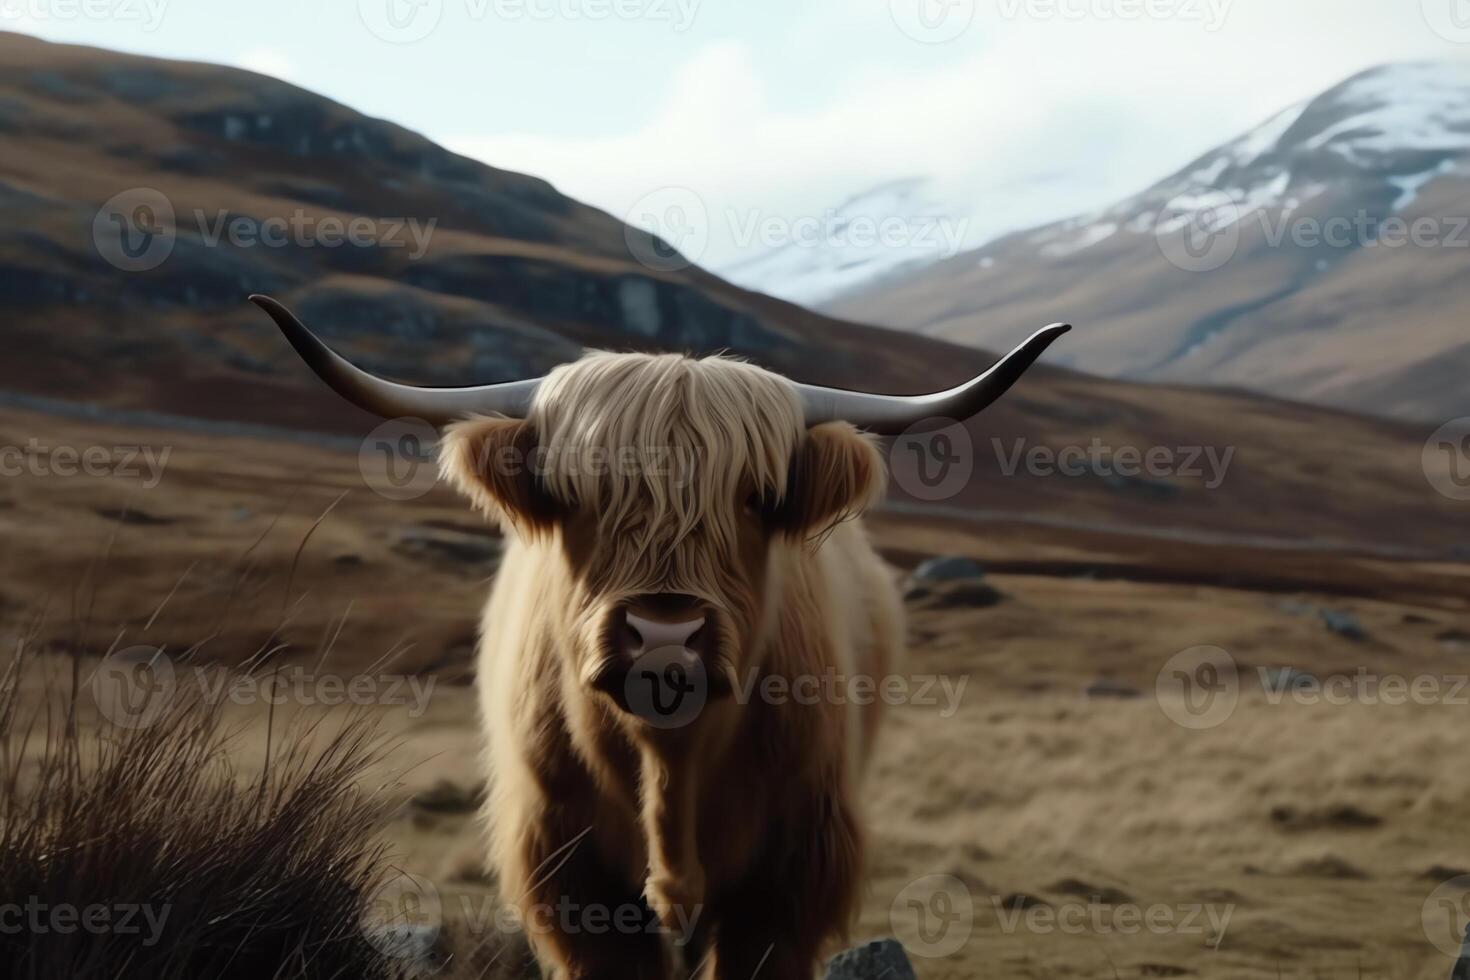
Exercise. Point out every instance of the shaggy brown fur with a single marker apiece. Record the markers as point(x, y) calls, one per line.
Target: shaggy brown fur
point(736, 835)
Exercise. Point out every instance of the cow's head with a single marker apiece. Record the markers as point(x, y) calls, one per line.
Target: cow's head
point(668, 483)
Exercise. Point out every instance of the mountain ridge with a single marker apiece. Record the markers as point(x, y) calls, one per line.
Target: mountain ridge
point(1319, 289)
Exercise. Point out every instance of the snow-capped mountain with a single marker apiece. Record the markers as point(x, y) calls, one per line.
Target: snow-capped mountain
point(1322, 255)
point(1397, 127)
point(896, 225)
point(899, 227)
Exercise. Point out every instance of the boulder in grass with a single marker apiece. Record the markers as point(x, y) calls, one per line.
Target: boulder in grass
point(449, 798)
point(1110, 687)
point(951, 582)
point(950, 568)
point(1344, 624)
point(881, 959)
point(963, 595)
point(439, 546)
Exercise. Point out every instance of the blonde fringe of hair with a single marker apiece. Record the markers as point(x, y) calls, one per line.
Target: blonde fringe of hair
point(704, 431)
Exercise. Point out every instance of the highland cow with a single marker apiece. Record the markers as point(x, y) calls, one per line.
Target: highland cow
point(682, 532)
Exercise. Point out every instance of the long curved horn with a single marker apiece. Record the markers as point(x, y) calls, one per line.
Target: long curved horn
point(437, 406)
point(892, 414)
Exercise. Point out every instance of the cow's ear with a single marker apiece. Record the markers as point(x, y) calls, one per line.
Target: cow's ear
point(836, 474)
point(493, 462)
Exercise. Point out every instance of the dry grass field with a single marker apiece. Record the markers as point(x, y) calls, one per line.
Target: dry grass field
point(1081, 823)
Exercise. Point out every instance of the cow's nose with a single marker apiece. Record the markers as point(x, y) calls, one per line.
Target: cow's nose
point(662, 620)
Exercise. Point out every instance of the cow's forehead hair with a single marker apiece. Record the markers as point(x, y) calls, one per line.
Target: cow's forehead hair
point(741, 421)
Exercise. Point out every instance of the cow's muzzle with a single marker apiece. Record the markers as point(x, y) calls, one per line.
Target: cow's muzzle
point(661, 657)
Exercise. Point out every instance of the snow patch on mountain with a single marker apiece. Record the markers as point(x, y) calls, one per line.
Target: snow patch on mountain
point(1391, 129)
point(808, 259)
point(1398, 127)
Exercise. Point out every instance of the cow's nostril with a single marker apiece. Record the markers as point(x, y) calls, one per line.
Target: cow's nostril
point(632, 639)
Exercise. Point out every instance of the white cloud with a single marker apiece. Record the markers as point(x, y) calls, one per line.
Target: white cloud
point(1039, 114)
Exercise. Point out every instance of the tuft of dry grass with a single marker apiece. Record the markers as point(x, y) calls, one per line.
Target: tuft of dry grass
point(143, 852)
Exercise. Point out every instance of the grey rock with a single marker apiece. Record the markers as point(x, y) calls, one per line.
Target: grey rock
point(915, 593)
point(965, 595)
point(949, 568)
point(451, 798)
point(1142, 486)
point(422, 544)
point(881, 959)
point(1344, 624)
point(1109, 687)
point(1462, 965)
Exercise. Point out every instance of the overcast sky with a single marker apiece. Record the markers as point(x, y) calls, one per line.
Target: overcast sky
point(784, 107)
